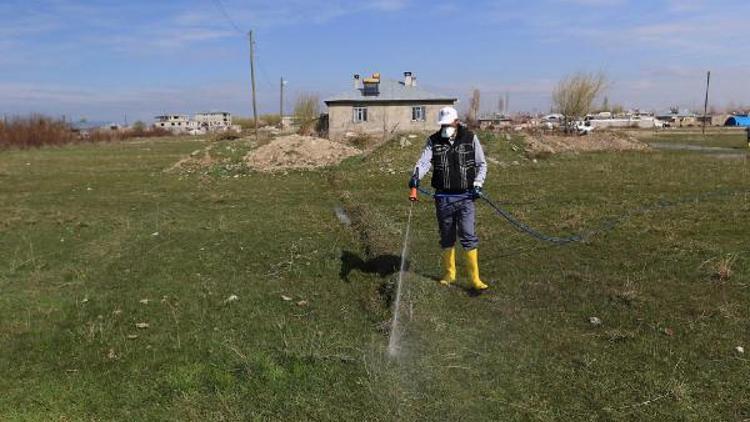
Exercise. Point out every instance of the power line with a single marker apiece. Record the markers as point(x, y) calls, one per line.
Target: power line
point(219, 5)
point(230, 21)
point(263, 72)
point(223, 10)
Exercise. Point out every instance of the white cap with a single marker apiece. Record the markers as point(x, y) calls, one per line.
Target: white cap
point(447, 116)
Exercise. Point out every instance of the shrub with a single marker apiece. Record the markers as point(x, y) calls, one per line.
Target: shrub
point(136, 131)
point(362, 141)
point(154, 132)
point(248, 123)
point(35, 131)
point(101, 135)
point(227, 135)
point(573, 97)
point(307, 113)
point(245, 123)
point(271, 119)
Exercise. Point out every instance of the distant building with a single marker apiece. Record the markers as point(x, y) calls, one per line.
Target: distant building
point(85, 126)
point(494, 121)
point(743, 121)
point(629, 119)
point(377, 106)
point(214, 120)
point(175, 123)
point(202, 123)
point(678, 118)
point(719, 119)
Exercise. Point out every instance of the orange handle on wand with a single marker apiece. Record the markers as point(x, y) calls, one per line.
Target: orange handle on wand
point(413, 195)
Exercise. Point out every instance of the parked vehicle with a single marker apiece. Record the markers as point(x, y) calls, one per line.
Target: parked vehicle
point(583, 127)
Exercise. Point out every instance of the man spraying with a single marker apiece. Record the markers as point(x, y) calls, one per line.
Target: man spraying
point(458, 172)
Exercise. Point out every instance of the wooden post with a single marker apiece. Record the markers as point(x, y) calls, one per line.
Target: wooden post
point(705, 105)
point(252, 79)
point(281, 101)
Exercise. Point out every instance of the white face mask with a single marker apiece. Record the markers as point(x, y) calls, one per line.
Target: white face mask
point(448, 131)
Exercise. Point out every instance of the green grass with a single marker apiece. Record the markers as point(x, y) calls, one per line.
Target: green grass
point(90, 231)
point(729, 138)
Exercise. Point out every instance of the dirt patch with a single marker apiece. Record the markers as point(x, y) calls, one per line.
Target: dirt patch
point(543, 144)
point(298, 152)
point(198, 159)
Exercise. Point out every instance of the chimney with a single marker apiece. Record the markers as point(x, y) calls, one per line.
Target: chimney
point(407, 79)
point(356, 81)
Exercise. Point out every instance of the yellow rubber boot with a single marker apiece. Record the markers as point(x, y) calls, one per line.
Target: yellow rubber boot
point(472, 264)
point(449, 266)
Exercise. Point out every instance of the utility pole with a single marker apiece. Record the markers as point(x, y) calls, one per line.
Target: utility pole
point(705, 105)
point(281, 99)
point(252, 79)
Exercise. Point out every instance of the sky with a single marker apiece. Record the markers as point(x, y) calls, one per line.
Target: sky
point(108, 60)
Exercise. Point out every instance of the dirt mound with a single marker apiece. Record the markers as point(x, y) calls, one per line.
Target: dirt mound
point(298, 152)
point(596, 141)
point(198, 159)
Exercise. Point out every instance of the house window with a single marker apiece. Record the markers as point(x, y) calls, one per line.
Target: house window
point(360, 114)
point(418, 114)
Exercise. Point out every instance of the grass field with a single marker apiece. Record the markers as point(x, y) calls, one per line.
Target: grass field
point(733, 138)
point(130, 293)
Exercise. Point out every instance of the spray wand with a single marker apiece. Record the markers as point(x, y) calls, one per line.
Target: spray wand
point(413, 195)
point(414, 187)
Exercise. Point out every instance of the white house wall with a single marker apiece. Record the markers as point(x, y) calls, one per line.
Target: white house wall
point(388, 117)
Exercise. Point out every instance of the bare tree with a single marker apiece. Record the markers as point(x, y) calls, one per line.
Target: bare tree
point(605, 104)
point(574, 95)
point(473, 114)
point(307, 112)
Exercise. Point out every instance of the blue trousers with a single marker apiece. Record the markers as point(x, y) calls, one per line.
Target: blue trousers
point(455, 215)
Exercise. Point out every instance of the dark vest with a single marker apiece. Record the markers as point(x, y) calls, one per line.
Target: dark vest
point(453, 166)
